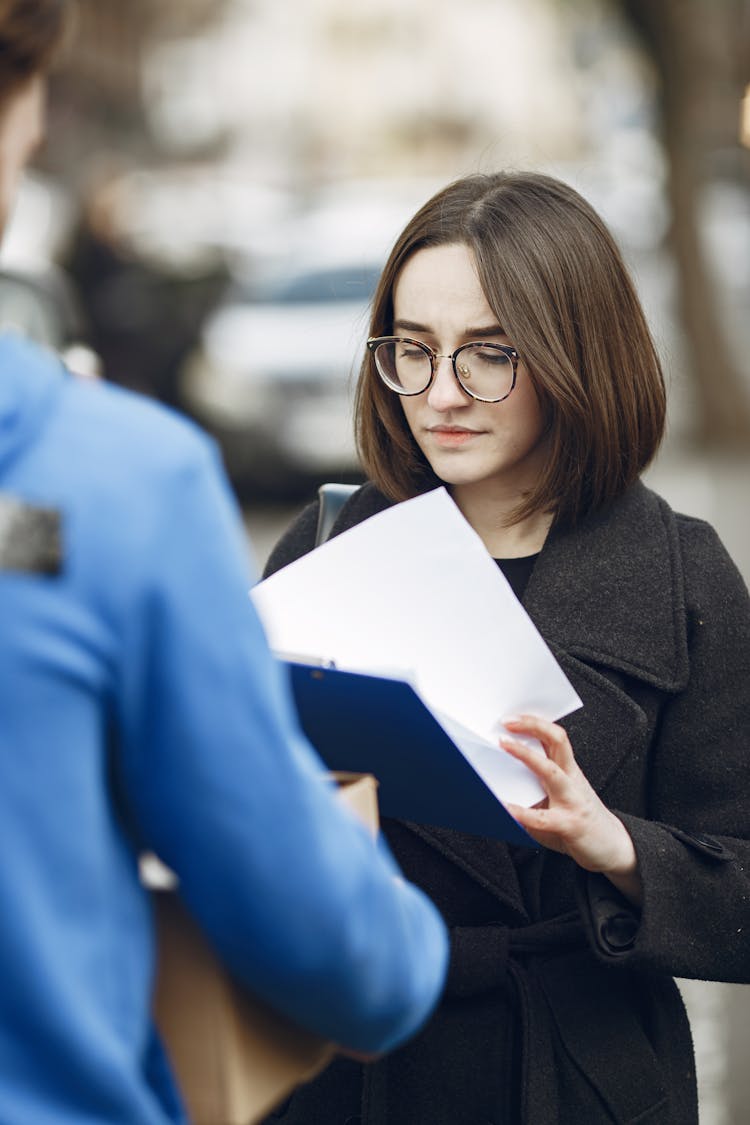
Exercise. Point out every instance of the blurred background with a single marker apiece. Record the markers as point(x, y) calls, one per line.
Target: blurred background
point(223, 178)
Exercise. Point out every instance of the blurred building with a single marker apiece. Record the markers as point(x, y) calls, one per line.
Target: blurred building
point(330, 88)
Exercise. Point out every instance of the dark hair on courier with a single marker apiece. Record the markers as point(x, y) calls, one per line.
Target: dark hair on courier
point(31, 31)
point(554, 277)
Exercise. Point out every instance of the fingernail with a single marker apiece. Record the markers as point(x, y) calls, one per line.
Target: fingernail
point(510, 720)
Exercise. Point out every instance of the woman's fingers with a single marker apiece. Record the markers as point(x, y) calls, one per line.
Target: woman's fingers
point(552, 736)
point(573, 819)
point(551, 775)
point(535, 819)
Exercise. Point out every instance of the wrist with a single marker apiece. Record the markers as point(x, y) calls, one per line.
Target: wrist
point(623, 861)
point(624, 871)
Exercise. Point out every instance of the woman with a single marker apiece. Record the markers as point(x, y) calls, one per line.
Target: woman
point(510, 360)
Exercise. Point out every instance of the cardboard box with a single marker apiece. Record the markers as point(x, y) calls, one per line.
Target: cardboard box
point(233, 1056)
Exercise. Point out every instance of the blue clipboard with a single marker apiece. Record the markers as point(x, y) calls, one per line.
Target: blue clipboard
point(368, 724)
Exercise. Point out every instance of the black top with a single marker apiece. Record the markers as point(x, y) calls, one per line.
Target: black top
point(518, 572)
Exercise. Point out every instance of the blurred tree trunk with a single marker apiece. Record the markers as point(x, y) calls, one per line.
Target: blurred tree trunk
point(698, 52)
point(97, 92)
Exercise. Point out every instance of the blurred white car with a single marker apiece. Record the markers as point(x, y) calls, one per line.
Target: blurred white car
point(273, 375)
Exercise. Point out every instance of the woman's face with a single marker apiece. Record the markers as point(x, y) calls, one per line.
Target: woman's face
point(479, 449)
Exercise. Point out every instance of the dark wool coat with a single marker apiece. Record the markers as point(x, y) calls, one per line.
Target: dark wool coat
point(560, 1007)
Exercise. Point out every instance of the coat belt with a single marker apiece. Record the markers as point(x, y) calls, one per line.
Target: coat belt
point(563, 993)
point(480, 955)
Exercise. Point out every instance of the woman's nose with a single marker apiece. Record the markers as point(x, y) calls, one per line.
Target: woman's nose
point(445, 392)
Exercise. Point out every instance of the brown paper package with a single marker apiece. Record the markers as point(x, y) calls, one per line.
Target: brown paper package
point(233, 1056)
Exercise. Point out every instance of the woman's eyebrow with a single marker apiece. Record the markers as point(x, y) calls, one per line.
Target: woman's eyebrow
point(474, 333)
point(489, 330)
point(411, 326)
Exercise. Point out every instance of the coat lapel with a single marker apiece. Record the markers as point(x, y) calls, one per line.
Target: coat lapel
point(608, 729)
point(610, 591)
point(608, 597)
point(486, 861)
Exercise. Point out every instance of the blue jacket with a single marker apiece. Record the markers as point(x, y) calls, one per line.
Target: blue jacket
point(146, 642)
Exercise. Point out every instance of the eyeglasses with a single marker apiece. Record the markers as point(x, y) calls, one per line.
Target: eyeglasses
point(487, 372)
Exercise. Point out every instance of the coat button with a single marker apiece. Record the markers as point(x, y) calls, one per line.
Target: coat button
point(618, 932)
point(355, 1120)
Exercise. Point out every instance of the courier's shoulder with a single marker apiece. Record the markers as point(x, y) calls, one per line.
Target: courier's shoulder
point(121, 433)
point(131, 419)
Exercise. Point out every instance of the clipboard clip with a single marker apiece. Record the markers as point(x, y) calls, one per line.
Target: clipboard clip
point(300, 658)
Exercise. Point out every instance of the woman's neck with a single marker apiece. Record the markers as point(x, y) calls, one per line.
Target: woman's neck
point(490, 518)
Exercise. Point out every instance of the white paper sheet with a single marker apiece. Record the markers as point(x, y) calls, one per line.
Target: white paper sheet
point(413, 592)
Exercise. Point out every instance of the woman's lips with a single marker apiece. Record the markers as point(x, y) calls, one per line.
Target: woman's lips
point(452, 436)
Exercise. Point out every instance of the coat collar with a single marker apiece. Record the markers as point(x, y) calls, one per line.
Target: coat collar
point(610, 591)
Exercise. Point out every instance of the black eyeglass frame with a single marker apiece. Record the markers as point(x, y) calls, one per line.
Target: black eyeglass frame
point(374, 342)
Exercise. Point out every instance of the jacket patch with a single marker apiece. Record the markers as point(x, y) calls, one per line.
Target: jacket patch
point(30, 538)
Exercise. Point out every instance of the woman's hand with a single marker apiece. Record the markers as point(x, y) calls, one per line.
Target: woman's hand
point(571, 819)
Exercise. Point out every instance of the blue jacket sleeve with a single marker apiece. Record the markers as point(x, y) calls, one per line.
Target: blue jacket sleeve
point(298, 900)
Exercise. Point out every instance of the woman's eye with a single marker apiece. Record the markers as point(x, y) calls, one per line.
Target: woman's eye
point(486, 357)
point(490, 357)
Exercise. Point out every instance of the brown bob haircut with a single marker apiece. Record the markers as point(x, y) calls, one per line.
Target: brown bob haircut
point(30, 33)
point(555, 279)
